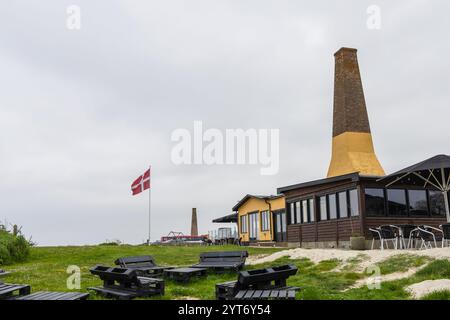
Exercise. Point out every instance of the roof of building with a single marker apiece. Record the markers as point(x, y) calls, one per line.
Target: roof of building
point(248, 196)
point(351, 177)
point(227, 219)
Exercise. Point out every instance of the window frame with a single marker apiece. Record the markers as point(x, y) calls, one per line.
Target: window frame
point(265, 220)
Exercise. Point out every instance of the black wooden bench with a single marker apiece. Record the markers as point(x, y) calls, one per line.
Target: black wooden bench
point(221, 261)
point(144, 265)
point(125, 284)
point(268, 283)
point(3, 272)
point(46, 295)
point(10, 291)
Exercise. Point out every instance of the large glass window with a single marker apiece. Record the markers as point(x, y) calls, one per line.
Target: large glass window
point(332, 206)
point(374, 202)
point(354, 202)
point(397, 202)
point(265, 220)
point(244, 224)
point(418, 204)
point(343, 207)
point(305, 211)
point(323, 208)
point(312, 211)
point(292, 213)
point(437, 203)
point(298, 213)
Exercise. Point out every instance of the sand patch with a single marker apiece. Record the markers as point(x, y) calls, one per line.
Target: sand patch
point(370, 257)
point(421, 289)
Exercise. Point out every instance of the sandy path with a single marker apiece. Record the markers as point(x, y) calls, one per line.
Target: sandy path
point(370, 257)
point(418, 290)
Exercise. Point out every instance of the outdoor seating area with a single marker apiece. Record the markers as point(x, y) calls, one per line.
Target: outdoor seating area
point(408, 237)
point(268, 283)
point(140, 277)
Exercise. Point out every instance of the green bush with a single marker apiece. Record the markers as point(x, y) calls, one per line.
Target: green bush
point(13, 248)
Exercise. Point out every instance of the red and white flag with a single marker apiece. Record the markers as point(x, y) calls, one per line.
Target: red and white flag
point(142, 183)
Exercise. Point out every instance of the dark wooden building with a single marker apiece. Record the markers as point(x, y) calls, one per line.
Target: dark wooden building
point(326, 213)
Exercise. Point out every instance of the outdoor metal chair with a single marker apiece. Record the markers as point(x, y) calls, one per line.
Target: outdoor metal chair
point(405, 232)
point(385, 234)
point(445, 234)
point(427, 236)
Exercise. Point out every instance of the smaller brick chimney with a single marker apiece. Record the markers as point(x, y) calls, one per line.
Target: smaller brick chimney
point(194, 227)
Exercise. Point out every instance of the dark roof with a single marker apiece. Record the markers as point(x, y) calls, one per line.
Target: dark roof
point(425, 173)
point(248, 196)
point(436, 162)
point(350, 177)
point(227, 219)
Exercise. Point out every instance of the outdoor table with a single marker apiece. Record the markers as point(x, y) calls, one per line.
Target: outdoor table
point(184, 274)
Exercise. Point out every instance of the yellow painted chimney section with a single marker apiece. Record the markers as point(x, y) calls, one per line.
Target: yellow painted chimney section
point(352, 149)
point(354, 152)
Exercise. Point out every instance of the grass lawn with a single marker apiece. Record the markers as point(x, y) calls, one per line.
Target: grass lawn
point(46, 270)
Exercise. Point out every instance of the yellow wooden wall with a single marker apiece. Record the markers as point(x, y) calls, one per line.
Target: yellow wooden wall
point(259, 205)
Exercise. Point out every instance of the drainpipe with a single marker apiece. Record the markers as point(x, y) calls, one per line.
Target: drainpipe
point(271, 218)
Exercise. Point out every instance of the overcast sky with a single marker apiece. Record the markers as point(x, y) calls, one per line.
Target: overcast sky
point(84, 112)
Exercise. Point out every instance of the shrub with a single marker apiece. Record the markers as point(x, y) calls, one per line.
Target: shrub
point(13, 248)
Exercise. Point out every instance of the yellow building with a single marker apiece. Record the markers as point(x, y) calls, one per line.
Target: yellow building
point(261, 218)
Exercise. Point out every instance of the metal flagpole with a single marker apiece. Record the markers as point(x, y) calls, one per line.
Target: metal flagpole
point(149, 202)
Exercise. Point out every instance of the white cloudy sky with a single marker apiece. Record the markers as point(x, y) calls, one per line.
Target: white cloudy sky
point(83, 113)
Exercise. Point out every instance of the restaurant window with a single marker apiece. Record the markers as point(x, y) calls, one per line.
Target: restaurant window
point(354, 202)
point(374, 202)
point(244, 228)
point(437, 203)
point(265, 220)
point(418, 203)
point(312, 211)
point(292, 213)
point(343, 207)
point(323, 208)
point(396, 199)
point(305, 211)
point(332, 206)
point(298, 213)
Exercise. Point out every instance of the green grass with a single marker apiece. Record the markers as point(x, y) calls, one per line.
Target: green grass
point(46, 270)
point(402, 263)
point(438, 295)
point(46, 267)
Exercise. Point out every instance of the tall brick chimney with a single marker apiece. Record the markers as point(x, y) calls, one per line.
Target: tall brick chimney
point(194, 227)
point(352, 149)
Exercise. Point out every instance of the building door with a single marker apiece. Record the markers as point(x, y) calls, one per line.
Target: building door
point(280, 225)
point(254, 226)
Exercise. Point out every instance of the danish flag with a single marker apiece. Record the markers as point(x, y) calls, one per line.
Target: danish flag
point(142, 183)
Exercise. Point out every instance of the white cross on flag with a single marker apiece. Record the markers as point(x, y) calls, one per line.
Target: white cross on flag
point(142, 183)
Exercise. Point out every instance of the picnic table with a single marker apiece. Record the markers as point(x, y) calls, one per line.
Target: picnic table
point(184, 274)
